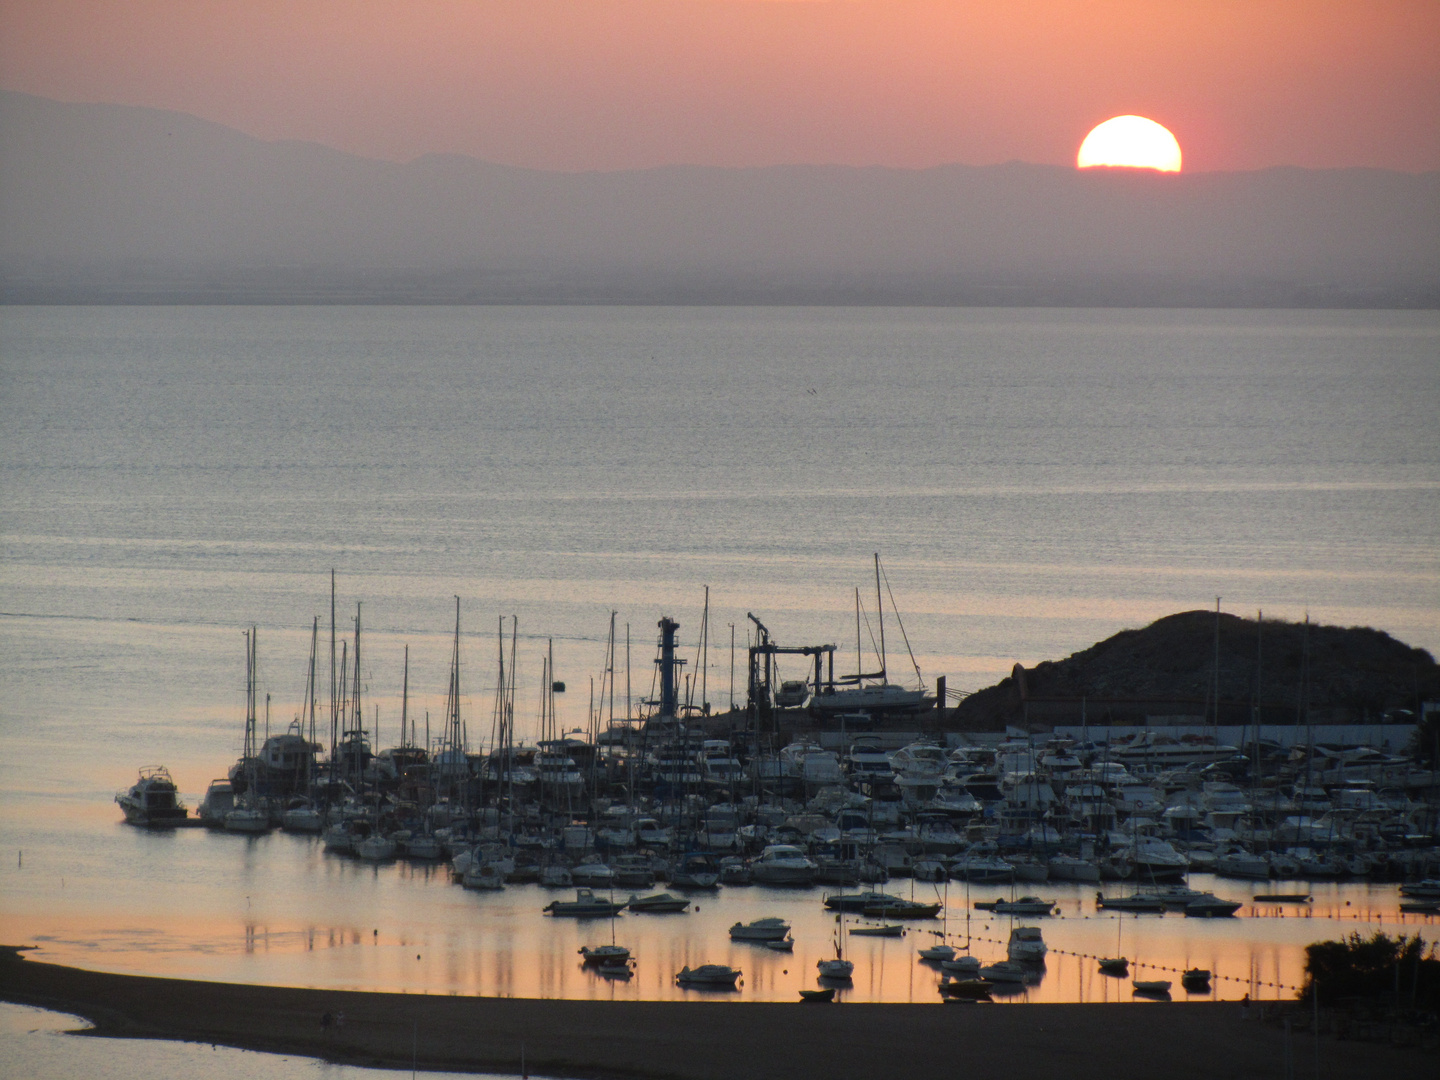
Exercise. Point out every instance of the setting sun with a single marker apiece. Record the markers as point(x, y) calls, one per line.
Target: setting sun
point(1130, 141)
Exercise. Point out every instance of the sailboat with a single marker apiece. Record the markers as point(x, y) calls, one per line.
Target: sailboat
point(837, 968)
point(610, 956)
point(250, 815)
point(872, 694)
point(944, 951)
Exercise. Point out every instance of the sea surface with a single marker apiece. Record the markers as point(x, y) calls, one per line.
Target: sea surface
point(1034, 481)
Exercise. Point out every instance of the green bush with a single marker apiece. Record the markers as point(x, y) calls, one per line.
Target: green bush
point(1392, 970)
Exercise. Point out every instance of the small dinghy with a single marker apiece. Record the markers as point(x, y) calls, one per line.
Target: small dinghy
point(828, 994)
point(1114, 965)
point(783, 945)
point(966, 989)
point(1152, 987)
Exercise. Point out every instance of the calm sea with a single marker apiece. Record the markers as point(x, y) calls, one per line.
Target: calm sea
point(1034, 481)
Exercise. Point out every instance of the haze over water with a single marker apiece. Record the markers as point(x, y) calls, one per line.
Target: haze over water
point(1034, 479)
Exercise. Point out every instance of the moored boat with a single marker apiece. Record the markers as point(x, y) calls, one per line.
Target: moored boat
point(708, 975)
point(769, 929)
point(153, 800)
point(586, 905)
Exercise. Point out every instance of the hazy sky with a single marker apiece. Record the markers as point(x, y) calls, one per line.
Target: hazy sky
point(607, 84)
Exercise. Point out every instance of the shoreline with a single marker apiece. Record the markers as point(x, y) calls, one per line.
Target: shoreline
point(591, 1040)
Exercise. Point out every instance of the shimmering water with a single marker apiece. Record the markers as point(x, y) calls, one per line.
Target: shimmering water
point(1035, 481)
point(38, 1043)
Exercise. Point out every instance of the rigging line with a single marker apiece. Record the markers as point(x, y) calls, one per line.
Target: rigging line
point(871, 631)
point(904, 636)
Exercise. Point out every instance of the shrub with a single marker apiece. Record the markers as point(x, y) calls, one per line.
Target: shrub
point(1399, 970)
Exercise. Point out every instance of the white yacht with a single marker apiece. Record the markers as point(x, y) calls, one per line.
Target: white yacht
point(783, 864)
point(1026, 945)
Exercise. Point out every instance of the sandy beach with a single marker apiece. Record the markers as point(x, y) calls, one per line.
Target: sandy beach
point(689, 1041)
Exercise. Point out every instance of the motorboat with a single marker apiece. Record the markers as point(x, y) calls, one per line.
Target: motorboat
point(712, 975)
point(783, 864)
point(966, 989)
point(1026, 905)
point(153, 800)
point(1242, 864)
point(770, 929)
point(697, 870)
point(1210, 906)
point(630, 872)
point(1140, 903)
point(1026, 944)
point(1007, 971)
point(556, 876)
point(658, 904)
point(966, 966)
point(485, 876)
point(786, 944)
point(1073, 868)
point(939, 954)
point(982, 870)
point(890, 930)
point(1114, 965)
point(219, 800)
point(901, 909)
point(594, 875)
point(856, 903)
point(1195, 979)
point(586, 905)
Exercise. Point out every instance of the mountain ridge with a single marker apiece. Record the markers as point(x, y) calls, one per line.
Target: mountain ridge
point(125, 204)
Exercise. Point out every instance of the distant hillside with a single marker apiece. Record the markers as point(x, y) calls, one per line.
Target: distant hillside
point(111, 203)
point(1168, 669)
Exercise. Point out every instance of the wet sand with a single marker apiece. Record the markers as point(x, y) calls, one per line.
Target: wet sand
point(700, 1041)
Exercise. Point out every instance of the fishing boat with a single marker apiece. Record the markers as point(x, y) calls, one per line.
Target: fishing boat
point(586, 905)
point(708, 975)
point(770, 929)
point(153, 800)
point(659, 904)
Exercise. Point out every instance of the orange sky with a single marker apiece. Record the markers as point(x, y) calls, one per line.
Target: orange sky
point(607, 84)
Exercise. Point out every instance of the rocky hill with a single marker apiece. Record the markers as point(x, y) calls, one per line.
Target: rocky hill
point(1343, 674)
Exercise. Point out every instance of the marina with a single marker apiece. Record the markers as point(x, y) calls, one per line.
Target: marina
point(125, 645)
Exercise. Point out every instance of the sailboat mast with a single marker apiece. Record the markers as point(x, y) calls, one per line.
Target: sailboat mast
point(334, 690)
point(405, 699)
point(880, 614)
